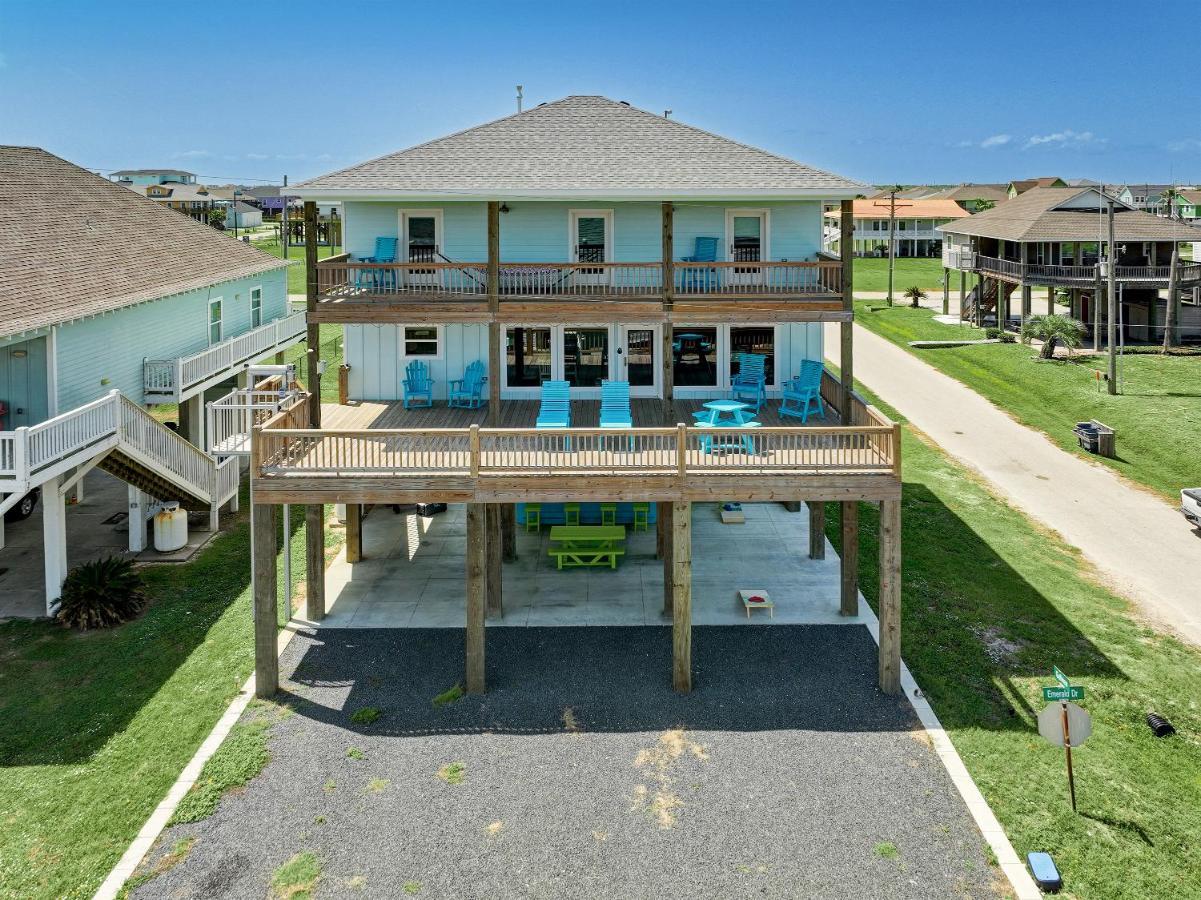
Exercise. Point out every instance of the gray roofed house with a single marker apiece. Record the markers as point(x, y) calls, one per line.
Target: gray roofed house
point(580, 146)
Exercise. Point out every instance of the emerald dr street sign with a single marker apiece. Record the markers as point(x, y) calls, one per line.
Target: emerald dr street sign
point(1060, 677)
point(1063, 693)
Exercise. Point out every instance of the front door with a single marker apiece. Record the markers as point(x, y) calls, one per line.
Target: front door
point(23, 384)
point(421, 241)
point(591, 242)
point(747, 233)
point(637, 360)
point(585, 358)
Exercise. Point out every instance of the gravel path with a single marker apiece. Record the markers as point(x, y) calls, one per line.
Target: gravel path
point(1140, 542)
point(784, 774)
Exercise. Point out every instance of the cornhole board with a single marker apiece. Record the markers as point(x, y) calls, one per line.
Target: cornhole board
point(745, 596)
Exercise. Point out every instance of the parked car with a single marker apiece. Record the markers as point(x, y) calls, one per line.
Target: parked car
point(1190, 505)
point(24, 507)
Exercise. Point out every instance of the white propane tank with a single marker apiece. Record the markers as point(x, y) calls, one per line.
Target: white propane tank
point(340, 512)
point(170, 528)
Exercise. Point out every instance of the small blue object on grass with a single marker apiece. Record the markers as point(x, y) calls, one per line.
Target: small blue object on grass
point(1046, 875)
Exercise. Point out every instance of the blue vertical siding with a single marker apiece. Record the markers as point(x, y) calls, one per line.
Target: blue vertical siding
point(377, 364)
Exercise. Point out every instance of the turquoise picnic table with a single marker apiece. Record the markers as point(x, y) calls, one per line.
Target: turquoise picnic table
point(587, 545)
point(726, 414)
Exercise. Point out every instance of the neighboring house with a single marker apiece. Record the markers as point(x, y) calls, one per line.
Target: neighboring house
point(193, 200)
point(1188, 205)
point(1014, 188)
point(153, 176)
point(913, 230)
point(116, 306)
point(242, 215)
point(1147, 197)
point(972, 197)
point(557, 244)
point(1056, 237)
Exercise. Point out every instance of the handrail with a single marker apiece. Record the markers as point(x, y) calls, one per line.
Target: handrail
point(1086, 274)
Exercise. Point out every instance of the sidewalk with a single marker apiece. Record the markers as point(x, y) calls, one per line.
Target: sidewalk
point(1140, 543)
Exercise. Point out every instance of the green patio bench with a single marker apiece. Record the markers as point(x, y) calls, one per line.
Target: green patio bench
point(591, 546)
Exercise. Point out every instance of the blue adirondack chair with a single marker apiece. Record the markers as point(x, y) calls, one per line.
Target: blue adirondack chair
point(417, 385)
point(803, 391)
point(700, 280)
point(555, 409)
point(615, 406)
point(750, 384)
point(468, 392)
point(379, 279)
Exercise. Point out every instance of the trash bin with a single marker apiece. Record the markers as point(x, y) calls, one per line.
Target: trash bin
point(170, 528)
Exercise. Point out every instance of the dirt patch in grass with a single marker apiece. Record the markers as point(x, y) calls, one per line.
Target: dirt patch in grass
point(658, 799)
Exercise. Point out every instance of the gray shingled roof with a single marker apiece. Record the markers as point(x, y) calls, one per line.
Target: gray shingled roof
point(581, 146)
point(1033, 216)
point(73, 244)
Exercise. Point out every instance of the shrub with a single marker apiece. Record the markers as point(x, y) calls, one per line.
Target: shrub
point(1007, 337)
point(1053, 330)
point(101, 594)
point(915, 295)
point(993, 334)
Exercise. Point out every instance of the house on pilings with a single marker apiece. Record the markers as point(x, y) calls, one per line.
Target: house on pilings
point(581, 241)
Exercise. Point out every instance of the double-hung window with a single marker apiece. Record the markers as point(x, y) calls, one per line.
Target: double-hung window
point(216, 323)
point(422, 340)
point(256, 307)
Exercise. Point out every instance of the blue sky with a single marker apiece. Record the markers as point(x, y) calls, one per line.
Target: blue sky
point(881, 91)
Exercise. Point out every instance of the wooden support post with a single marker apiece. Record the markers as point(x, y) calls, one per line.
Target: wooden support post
point(962, 291)
point(508, 532)
point(890, 596)
point(946, 291)
point(849, 605)
point(476, 590)
point(665, 519)
point(313, 333)
point(314, 558)
point(343, 385)
point(354, 532)
point(493, 553)
point(1111, 298)
point(817, 529)
point(495, 351)
point(266, 602)
point(666, 353)
point(849, 562)
point(846, 225)
point(681, 607)
point(1050, 300)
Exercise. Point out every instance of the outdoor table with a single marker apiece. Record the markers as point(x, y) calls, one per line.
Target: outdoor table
point(587, 545)
point(726, 414)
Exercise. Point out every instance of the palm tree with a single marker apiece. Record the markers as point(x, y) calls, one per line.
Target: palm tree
point(982, 205)
point(1169, 198)
point(915, 295)
point(1053, 330)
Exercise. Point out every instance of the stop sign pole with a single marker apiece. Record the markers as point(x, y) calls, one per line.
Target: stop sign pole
point(1067, 749)
point(1058, 729)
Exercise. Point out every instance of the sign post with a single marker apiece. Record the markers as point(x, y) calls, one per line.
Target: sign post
point(1064, 723)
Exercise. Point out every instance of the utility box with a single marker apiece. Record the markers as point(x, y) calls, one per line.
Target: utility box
point(1096, 437)
point(170, 528)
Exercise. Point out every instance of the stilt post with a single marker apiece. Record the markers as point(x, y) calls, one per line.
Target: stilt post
point(494, 330)
point(666, 354)
point(890, 596)
point(493, 553)
point(54, 538)
point(476, 575)
point(314, 561)
point(681, 632)
point(313, 333)
point(665, 518)
point(508, 532)
point(849, 562)
point(849, 601)
point(354, 532)
point(817, 529)
point(266, 602)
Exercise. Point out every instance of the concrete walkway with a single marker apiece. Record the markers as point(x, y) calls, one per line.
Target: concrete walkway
point(1139, 542)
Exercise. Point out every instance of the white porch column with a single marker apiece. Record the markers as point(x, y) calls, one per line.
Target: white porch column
point(138, 503)
point(54, 539)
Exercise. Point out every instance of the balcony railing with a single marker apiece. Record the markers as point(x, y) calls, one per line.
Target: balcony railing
point(169, 380)
point(1190, 273)
point(341, 278)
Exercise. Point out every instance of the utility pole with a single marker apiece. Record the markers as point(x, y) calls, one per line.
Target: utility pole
point(1172, 312)
point(892, 225)
point(283, 218)
point(1112, 297)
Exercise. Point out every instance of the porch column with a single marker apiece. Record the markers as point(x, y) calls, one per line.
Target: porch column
point(890, 596)
point(508, 532)
point(54, 539)
point(266, 601)
point(817, 529)
point(354, 532)
point(664, 518)
point(313, 332)
point(492, 541)
point(1050, 300)
point(314, 555)
point(681, 585)
point(962, 291)
point(476, 573)
point(667, 362)
point(849, 603)
point(138, 502)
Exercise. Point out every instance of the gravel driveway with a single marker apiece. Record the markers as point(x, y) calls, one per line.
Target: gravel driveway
point(784, 774)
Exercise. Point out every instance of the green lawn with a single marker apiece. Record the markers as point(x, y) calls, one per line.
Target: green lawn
point(1157, 416)
point(296, 271)
point(98, 726)
point(991, 603)
point(871, 274)
point(331, 352)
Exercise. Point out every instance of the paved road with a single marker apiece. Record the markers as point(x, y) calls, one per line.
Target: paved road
point(1139, 542)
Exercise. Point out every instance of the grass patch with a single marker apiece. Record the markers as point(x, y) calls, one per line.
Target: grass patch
point(412, 888)
point(991, 602)
point(871, 274)
point(296, 878)
point(887, 850)
point(449, 696)
point(331, 352)
point(378, 785)
point(1157, 417)
point(453, 773)
point(296, 271)
point(365, 716)
point(355, 753)
point(241, 756)
point(178, 853)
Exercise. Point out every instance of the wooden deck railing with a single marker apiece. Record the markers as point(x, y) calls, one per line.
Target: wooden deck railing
point(340, 278)
point(1050, 274)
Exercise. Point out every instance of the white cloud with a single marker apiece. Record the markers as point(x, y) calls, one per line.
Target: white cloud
point(1185, 145)
point(258, 156)
point(1065, 138)
point(193, 154)
point(996, 140)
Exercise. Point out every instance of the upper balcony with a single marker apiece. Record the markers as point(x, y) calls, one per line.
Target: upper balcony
point(1017, 272)
point(580, 292)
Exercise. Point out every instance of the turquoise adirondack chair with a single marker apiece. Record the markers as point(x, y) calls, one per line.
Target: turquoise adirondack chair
point(750, 384)
point(803, 391)
point(418, 386)
point(378, 279)
point(555, 409)
point(468, 392)
point(615, 406)
point(702, 279)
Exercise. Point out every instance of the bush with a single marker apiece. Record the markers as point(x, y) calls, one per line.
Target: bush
point(101, 594)
point(1007, 337)
point(993, 334)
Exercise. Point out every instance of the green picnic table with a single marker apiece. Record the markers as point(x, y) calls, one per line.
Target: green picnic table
point(587, 545)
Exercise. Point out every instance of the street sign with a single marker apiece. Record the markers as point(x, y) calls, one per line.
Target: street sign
point(1060, 693)
point(1060, 677)
point(1051, 722)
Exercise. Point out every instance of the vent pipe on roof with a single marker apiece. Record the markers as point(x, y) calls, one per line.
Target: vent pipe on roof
point(667, 113)
point(519, 95)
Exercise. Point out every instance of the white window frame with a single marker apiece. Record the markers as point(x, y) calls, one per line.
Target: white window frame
point(257, 289)
point(556, 359)
point(219, 302)
point(732, 211)
point(402, 250)
point(440, 337)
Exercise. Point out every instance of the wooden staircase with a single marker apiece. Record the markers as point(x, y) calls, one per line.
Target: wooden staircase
point(976, 306)
point(153, 483)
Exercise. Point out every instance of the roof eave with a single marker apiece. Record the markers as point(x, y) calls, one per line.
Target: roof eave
point(336, 195)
